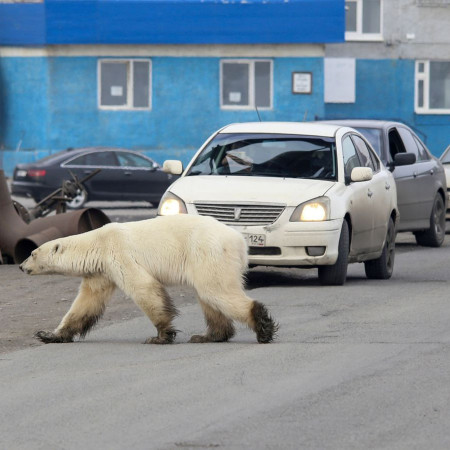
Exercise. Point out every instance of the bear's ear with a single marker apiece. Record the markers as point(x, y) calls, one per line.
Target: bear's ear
point(57, 248)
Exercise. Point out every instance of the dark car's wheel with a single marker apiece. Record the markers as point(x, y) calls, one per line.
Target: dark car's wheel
point(382, 267)
point(336, 274)
point(78, 201)
point(434, 236)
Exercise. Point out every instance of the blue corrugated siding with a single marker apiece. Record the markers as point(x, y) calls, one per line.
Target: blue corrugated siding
point(22, 24)
point(172, 22)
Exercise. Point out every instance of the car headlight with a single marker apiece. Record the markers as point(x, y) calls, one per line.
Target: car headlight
point(170, 205)
point(315, 210)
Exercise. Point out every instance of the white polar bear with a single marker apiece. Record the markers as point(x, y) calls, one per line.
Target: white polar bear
point(141, 258)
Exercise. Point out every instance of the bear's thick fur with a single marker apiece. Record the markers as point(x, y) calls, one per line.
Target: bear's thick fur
point(141, 258)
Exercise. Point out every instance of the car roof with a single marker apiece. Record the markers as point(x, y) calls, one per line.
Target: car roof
point(363, 123)
point(69, 152)
point(300, 128)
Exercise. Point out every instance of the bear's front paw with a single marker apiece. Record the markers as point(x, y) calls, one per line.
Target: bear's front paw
point(49, 337)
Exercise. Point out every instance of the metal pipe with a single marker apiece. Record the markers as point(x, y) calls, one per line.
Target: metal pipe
point(18, 239)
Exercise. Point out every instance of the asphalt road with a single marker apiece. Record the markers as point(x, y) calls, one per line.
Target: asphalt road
point(363, 366)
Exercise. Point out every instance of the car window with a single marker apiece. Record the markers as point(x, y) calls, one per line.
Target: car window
point(351, 159)
point(363, 152)
point(267, 155)
point(374, 136)
point(423, 154)
point(395, 143)
point(132, 160)
point(409, 142)
point(102, 159)
point(445, 159)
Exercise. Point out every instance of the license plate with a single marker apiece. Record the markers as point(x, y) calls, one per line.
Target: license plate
point(21, 173)
point(256, 240)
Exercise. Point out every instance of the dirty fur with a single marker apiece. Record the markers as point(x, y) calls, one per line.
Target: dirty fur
point(141, 258)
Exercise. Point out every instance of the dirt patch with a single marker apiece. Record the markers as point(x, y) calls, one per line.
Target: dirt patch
point(29, 304)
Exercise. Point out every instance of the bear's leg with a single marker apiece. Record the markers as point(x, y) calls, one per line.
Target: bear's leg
point(84, 313)
point(154, 300)
point(234, 304)
point(220, 328)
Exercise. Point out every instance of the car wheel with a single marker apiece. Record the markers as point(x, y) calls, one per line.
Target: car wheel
point(382, 267)
point(434, 236)
point(78, 201)
point(336, 274)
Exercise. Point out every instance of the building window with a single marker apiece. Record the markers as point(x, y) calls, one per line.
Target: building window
point(246, 84)
point(432, 93)
point(363, 20)
point(124, 84)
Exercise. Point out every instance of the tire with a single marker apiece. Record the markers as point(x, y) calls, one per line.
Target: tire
point(382, 267)
point(336, 274)
point(435, 235)
point(78, 201)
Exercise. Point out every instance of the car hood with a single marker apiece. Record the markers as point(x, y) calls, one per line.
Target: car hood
point(288, 191)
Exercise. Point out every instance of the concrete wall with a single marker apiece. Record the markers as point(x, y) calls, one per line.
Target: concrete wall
point(412, 30)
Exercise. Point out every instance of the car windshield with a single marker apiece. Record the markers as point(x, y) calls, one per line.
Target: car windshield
point(268, 155)
point(373, 135)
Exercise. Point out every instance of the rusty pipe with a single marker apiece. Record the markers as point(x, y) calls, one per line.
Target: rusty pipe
point(18, 239)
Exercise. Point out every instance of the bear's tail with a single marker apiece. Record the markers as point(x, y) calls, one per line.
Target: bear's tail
point(264, 326)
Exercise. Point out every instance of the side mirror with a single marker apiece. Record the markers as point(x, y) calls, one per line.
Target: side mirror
point(173, 166)
point(404, 159)
point(361, 174)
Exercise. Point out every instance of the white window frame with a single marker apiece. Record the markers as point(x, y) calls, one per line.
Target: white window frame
point(130, 84)
point(425, 77)
point(251, 84)
point(358, 35)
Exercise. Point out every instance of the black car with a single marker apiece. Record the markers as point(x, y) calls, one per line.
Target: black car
point(419, 176)
point(124, 175)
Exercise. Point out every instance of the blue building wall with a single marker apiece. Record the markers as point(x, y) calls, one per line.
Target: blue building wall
point(51, 104)
point(385, 90)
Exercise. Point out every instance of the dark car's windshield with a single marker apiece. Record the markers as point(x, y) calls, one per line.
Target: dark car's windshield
point(268, 155)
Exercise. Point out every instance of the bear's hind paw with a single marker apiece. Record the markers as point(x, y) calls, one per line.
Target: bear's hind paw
point(158, 340)
point(200, 339)
point(49, 337)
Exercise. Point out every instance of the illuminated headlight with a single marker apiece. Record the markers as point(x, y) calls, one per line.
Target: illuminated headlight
point(170, 205)
point(315, 210)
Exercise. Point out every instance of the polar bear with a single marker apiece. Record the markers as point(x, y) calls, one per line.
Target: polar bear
point(143, 257)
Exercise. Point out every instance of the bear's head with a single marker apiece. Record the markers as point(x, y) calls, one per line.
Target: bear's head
point(46, 259)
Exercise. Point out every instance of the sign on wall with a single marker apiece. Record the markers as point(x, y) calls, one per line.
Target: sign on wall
point(339, 80)
point(301, 82)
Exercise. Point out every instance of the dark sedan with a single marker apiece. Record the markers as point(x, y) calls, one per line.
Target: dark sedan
point(419, 176)
point(124, 175)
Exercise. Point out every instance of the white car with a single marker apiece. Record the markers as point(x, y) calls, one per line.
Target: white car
point(302, 194)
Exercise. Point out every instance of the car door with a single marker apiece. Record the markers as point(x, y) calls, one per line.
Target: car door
point(104, 185)
point(143, 179)
point(405, 179)
point(380, 187)
point(360, 209)
point(420, 198)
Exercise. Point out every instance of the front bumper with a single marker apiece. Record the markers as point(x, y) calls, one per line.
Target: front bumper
point(292, 239)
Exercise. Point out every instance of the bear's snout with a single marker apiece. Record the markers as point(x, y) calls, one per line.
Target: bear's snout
point(24, 269)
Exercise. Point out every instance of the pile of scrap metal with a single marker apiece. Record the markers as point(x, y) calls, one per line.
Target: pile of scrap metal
point(23, 230)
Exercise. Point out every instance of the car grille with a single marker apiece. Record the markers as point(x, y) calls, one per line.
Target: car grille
point(241, 214)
